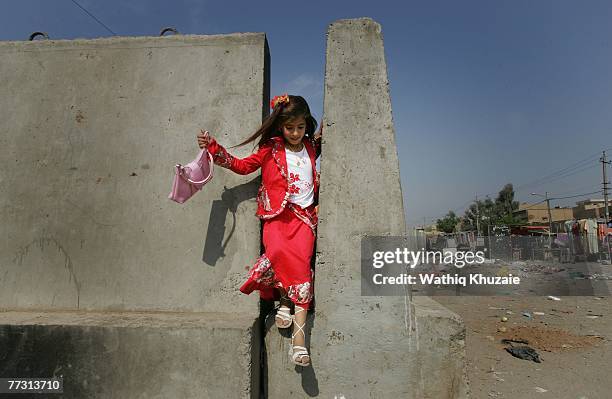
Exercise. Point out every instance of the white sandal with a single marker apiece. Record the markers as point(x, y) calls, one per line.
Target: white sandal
point(283, 313)
point(301, 351)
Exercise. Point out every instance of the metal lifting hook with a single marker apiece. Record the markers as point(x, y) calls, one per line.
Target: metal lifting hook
point(43, 34)
point(168, 29)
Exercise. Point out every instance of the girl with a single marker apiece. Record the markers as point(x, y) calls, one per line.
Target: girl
point(287, 201)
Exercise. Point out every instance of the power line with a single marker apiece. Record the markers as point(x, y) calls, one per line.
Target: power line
point(94, 17)
point(561, 172)
point(569, 173)
point(531, 206)
point(576, 167)
point(578, 189)
point(579, 195)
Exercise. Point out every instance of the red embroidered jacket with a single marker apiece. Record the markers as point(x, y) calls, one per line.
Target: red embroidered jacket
point(273, 193)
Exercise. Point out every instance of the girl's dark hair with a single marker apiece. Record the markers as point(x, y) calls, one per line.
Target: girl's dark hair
point(282, 112)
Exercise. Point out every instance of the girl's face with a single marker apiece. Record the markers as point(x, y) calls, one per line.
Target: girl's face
point(294, 130)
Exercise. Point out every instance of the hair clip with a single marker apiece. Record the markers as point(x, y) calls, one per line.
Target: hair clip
point(282, 99)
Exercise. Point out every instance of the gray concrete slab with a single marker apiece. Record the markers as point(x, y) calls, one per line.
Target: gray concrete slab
point(364, 347)
point(134, 354)
point(90, 132)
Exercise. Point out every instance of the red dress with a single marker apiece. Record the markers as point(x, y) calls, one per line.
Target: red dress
point(289, 230)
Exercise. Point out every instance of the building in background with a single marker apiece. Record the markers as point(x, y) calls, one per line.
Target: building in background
point(538, 213)
point(591, 209)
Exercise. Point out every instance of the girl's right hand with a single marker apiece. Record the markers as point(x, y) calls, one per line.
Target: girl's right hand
point(204, 138)
point(319, 133)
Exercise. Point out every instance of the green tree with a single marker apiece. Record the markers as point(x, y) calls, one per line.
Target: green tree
point(485, 209)
point(505, 204)
point(498, 212)
point(448, 223)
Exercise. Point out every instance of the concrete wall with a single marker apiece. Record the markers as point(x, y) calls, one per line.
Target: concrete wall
point(134, 355)
point(364, 347)
point(90, 133)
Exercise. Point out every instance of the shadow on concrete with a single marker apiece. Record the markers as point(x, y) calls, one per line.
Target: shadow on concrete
point(214, 246)
point(310, 383)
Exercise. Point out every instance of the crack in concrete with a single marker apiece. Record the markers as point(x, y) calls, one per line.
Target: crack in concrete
point(41, 243)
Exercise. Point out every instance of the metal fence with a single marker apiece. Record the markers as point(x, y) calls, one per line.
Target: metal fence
point(556, 247)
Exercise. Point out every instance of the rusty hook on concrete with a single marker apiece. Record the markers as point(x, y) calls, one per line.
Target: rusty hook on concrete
point(43, 34)
point(168, 29)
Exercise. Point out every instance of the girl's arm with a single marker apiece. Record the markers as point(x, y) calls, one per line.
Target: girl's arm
point(316, 139)
point(242, 166)
point(316, 142)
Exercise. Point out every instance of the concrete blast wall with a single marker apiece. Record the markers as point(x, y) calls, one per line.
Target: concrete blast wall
point(364, 347)
point(127, 294)
point(118, 289)
point(90, 133)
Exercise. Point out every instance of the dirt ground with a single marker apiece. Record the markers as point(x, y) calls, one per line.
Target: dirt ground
point(572, 337)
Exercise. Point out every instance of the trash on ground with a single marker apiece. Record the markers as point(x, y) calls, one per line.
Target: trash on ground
point(509, 341)
point(549, 339)
point(554, 298)
point(562, 311)
point(599, 276)
point(524, 352)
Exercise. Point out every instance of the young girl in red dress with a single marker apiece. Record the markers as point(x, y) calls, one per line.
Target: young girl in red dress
point(287, 202)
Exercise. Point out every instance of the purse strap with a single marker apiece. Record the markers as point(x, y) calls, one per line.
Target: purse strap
point(207, 178)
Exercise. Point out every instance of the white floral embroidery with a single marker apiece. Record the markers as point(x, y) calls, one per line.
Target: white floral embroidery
point(311, 219)
point(223, 158)
point(262, 271)
point(279, 210)
point(263, 198)
point(300, 293)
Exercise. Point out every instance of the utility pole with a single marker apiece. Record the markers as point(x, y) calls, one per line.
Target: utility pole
point(477, 218)
point(604, 163)
point(605, 185)
point(490, 245)
point(549, 216)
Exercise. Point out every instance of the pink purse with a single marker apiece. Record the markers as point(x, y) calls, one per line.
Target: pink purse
point(190, 179)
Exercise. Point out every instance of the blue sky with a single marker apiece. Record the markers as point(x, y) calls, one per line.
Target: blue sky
point(483, 92)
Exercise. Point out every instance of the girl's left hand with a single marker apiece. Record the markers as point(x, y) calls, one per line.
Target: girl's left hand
point(204, 138)
point(316, 209)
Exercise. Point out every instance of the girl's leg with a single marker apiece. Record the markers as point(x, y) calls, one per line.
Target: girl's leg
point(299, 353)
point(298, 338)
point(283, 314)
point(289, 242)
